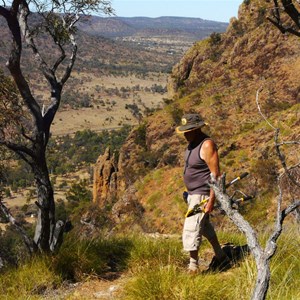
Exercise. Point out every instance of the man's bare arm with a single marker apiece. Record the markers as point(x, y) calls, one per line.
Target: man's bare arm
point(209, 153)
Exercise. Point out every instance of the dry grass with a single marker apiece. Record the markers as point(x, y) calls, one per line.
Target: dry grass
point(109, 116)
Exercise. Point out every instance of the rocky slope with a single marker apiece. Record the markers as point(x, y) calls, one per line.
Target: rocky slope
point(219, 78)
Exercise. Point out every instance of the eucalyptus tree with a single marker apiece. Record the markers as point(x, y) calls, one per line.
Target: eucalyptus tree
point(47, 29)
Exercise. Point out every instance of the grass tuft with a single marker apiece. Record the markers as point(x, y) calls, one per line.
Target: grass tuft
point(29, 280)
point(159, 273)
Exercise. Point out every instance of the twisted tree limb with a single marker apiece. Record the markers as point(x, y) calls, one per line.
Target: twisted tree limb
point(261, 255)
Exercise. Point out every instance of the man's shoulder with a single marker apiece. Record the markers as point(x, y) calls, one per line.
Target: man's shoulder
point(208, 142)
point(208, 146)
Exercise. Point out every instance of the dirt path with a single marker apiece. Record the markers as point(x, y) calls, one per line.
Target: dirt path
point(91, 289)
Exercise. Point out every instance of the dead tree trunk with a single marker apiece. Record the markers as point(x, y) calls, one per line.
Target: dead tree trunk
point(262, 279)
point(261, 256)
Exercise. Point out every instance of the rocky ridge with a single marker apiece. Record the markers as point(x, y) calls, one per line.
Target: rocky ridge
point(219, 77)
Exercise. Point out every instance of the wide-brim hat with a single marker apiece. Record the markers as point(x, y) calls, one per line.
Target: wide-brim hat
point(190, 122)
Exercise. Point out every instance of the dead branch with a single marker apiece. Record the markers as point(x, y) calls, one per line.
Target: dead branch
point(28, 241)
point(287, 7)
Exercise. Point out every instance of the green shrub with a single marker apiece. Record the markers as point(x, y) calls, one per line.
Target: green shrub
point(140, 135)
point(79, 192)
point(261, 16)
point(266, 172)
point(66, 153)
point(215, 38)
point(176, 113)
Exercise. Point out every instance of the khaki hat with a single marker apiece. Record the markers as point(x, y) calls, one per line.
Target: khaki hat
point(190, 122)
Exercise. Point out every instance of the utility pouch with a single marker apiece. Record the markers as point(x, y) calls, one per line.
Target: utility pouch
point(185, 195)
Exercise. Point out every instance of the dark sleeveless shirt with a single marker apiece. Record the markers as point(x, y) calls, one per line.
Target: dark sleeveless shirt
point(196, 172)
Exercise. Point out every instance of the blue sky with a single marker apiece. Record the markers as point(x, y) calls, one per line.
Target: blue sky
point(216, 10)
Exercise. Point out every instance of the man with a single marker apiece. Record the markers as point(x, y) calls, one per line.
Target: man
point(201, 159)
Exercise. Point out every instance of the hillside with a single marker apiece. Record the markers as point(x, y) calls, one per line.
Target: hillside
point(129, 247)
point(219, 77)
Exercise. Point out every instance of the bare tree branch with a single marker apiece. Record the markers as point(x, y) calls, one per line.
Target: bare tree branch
point(17, 148)
point(283, 160)
point(47, 72)
point(259, 109)
point(277, 143)
point(14, 61)
point(28, 241)
point(288, 7)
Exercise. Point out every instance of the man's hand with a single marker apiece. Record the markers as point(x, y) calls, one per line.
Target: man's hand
point(209, 207)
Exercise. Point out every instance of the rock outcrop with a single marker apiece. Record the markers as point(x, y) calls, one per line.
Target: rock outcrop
point(105, 180)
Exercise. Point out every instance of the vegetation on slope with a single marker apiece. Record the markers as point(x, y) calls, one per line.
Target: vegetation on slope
point(155, 268)
point(218, 78)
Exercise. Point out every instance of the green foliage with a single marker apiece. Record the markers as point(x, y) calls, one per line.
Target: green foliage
point(154, 199)
point(158, 274)
point(157, 267)
point(176, 113)
point(261, 15)
point(19, 176)
point(60, 210)
point(266, 171)
point(10, 107)
point(147, 251)
point(238, 27)
point(151, 159)
point(246, 2)
point(158, 88)
point(134, 109)
point(215, 39)
point(12, 248)
point(76, 99)
point(79, 192)
point(7, 193)
point(66, 153)
point(77, 260)
point(140, 135)
point(285, 267)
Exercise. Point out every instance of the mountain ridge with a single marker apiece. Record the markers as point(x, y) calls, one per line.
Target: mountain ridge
point(127, 26)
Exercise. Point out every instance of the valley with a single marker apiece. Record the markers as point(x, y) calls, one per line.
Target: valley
point(120, 77)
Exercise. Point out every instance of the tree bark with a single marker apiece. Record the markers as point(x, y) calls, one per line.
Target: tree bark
point(46, 206)
point(262, 280)
point(31, 146)
point(262, 256)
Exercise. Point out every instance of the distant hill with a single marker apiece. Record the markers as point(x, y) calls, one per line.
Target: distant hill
point(139, 43)
point(193, 28)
